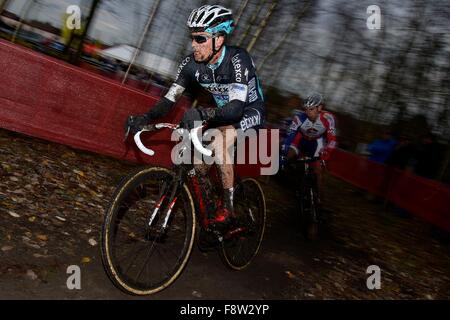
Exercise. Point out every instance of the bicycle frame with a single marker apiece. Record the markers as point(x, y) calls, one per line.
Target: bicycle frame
point(183, 173)
point(308, 180)
point(156, 213)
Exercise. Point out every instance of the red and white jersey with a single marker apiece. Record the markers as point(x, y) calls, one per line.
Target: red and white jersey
point(323, 130)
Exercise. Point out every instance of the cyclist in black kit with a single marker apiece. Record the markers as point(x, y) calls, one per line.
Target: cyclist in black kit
point(229, 74)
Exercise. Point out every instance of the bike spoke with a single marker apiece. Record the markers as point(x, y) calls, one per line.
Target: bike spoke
point(149, 254)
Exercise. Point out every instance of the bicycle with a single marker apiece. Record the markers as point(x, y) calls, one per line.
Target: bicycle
point(150, 226)
point(308, 196)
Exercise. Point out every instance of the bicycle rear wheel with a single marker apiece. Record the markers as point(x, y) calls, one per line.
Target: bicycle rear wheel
point(250, 210)
point(139, 259)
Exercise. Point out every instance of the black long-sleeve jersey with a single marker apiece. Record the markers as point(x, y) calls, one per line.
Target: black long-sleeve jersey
point(232, 81)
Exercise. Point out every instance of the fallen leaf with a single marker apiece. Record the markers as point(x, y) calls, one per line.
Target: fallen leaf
point(6, 167)
point(196, 294)
point(7, 248)
point(78, 172)
point(42, 237)
point(60, 218)
point(92, 242)
point(94, 194)
point(13, 214)
point(85, 260)
point(32, 275)
point(290, 275)
point(33, 245)
point(32, 219)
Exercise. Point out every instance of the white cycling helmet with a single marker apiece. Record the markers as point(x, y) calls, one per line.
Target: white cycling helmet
point(212, 19)
point(313, 100)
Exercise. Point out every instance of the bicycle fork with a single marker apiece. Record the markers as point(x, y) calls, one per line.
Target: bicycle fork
point(166, 213)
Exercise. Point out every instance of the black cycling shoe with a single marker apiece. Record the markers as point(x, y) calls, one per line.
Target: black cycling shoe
point(208, 240)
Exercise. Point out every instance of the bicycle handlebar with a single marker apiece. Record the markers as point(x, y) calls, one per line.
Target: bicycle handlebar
point(308, 159)
point(197, 144)
point(311, 160)
point(193, 135)
point(140, 145)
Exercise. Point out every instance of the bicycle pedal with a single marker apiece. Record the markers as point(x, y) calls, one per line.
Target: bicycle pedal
point(208, 240)
point(234, 232)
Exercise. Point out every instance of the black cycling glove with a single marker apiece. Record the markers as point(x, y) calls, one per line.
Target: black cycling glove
point(196, 114)
point(136, 123)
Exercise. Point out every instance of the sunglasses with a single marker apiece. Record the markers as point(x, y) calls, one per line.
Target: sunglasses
point(200, 38)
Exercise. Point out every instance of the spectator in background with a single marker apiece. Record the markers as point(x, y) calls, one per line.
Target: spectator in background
point(428, 157)
point(381, 149)
point(403, 155)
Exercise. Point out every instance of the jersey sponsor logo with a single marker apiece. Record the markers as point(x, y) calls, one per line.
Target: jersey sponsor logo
point(329, 117)
point(246, 74)
point(238, 87)
point(250, 122)
point(174, 92)
point(295, 123)
point(182, 65)
point(222, 78)
point(312, 130)
point(252, 93)
point(220, 100)
point(205, 77)
point(197, 74)
point(216, 88)
point(237, 67)
point(238, 91)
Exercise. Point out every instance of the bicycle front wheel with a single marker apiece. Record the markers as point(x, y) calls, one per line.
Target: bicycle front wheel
point(142, 258)
point(250, 210)
point(308, 213)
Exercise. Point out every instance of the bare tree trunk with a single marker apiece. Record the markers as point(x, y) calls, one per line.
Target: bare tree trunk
point(292, 26)
point(23, 13)
point(79, 47)
point(3, 5)
point(251, 22)
point(241, 11)
point(261, 27)
point(141, 40)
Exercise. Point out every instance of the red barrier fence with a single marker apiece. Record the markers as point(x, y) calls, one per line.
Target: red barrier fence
point(47, 98)
point(50, 99)
point(425, 198)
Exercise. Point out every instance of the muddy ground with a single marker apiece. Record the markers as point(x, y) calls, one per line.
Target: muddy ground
point(52, 201)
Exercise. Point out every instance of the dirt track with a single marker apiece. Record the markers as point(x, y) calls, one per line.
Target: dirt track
point(52, 200)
